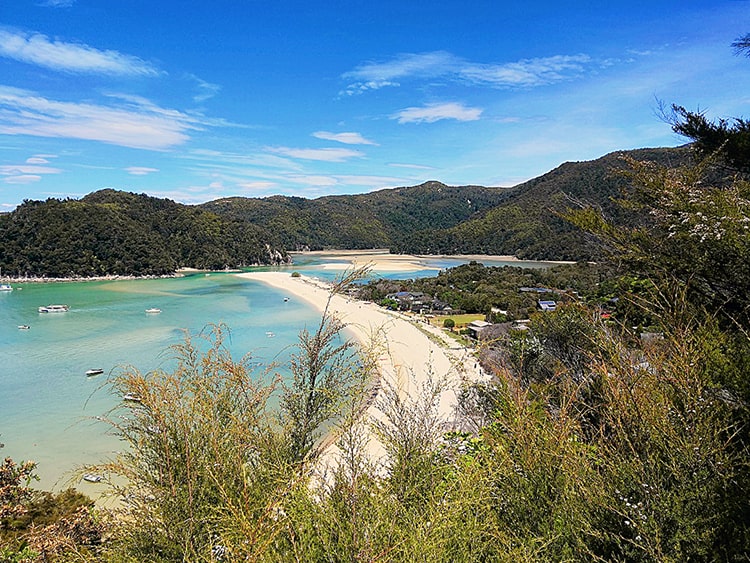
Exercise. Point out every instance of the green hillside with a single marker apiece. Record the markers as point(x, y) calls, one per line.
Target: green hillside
point(527, 224)
point(110, 232)
point(373, 220)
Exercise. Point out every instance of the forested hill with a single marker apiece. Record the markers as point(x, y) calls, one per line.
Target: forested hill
point(111, 232)
point(372, 220)
point(433, 218)
point(526, 223)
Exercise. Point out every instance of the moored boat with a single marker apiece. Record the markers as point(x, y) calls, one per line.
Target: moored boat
point(23, 327)
point(153, 311)
point(54, 309)
point(94, 371)
point(6, 287)
point(92, 477)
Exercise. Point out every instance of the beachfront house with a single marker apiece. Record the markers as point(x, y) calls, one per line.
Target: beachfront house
point(547, 305)
point(410, 300)
point(476, 327)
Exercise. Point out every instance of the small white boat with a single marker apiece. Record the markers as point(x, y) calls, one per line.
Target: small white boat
point(94, 371)
point(92, 477)
point(54, 309)
point(270, 334)
point(153, 311)
point(286, 299)
point(131, 397)
point(6, 287)
point(23, 327)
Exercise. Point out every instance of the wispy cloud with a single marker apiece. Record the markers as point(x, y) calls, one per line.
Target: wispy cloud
point(140, 170)
point(326, 155)
point(135, 122)
point(441, 64)
point(377, 182)
point(206, 90)
point(348, 138)
point(28, 173)
point(412, 166)
point(57, 3)
point(36, 160)
point(257, 186)
point(13, 169)
point(40, 50)
point(317, 181)
point(430, 113)
point(22, 180)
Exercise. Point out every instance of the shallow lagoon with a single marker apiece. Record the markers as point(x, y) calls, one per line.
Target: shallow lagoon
point(47, 403)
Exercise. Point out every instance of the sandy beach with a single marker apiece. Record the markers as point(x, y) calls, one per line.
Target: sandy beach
point(409, 351)
point(381, 260)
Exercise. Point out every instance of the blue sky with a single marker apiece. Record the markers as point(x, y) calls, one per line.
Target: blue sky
point(200, 100)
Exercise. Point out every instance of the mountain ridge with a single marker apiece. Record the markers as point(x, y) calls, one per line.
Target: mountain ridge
point(118, 232)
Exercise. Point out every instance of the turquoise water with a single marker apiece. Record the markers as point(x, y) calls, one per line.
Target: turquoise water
point(48, 404)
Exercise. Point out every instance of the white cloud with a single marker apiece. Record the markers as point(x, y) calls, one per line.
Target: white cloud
point(430, 113)
point(378, 182)
point(527, 72)
point(326, 155)
point(257, 185)
point(361, 87)
point(206, 90)
point(348, 138)
point(137, 123)
point(36, 160)
point(405, 65)
point(313, 180)
point(140, 170)
point(22, 180)
point(12, 169)
point(440, 64)
point(412, 166)
point(39, 50)
point(57, 3)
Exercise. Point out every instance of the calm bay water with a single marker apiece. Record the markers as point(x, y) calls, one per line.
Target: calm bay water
point(47, 403)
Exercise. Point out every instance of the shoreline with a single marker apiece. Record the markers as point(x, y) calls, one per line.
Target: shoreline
point(407, 360)
point(380, 259)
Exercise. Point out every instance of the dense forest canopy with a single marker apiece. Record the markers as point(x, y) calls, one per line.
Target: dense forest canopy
point(119, 233)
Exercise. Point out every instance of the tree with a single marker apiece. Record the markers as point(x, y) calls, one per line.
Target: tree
point(742, 45)
point(323, 370)
point(730, 139)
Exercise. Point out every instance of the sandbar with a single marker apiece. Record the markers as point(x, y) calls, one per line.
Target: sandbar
point(410, 351)
point(381, 260)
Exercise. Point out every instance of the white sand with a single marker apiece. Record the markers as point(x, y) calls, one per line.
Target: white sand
point(408, 356)
point(382, 260)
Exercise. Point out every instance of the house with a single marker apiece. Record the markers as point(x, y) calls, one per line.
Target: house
point(475, 327)
point(410, 300)
point(534, 290)
point(547, 305)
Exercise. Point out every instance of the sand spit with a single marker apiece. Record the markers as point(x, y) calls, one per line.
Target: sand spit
point(410, 352)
